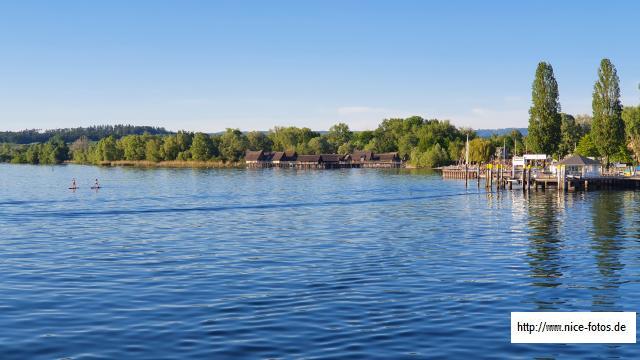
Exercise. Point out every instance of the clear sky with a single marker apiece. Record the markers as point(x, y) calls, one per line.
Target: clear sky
point(209, 65)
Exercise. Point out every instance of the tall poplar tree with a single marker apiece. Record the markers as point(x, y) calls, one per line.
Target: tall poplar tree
point(544, 114)
point(607, 129)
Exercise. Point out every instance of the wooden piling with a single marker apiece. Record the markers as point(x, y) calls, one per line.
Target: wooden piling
point(466, 175)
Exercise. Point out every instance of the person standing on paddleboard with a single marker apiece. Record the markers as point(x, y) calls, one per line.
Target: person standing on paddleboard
point(96, 185)
point(73, 184)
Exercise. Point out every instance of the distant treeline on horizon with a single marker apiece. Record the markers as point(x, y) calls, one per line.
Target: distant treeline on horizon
point(93, 133)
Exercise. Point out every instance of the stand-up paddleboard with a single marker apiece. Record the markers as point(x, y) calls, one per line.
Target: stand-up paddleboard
point(96, 187)
point(73, 188)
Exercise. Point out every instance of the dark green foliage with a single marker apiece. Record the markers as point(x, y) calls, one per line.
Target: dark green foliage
point(586, 147)
point(291, 138)
point(54, 151)
point(153, 149)
point(233, 144)
point(320, 145)
point(257, 140)
point(93, 133)
point(434, 157)
point(607, 129)
point(184, 140)
point(170, 148)
point(107, 150)
point(570, 134)
point(544, 114)
point(631, 117)
point(338, 135)
point(133, 147)
point(201, 147)
point(6, 152)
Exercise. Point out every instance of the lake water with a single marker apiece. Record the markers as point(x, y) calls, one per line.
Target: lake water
point(354, 263)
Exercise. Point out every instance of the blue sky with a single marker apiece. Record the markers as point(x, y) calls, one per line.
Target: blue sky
point(209, 65)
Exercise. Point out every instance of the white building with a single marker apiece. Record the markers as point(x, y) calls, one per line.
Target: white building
point(577, 165)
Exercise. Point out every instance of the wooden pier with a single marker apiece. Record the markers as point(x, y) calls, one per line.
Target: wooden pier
point(502, 177)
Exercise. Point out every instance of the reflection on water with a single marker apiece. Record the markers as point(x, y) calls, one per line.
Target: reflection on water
point(545, 241)
point(607, 245)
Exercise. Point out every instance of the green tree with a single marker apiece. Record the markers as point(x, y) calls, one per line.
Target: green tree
point(257, 140)
point(133, 147)
point(201, 147)
point(80, 149)
point(569, 135)
point(291, 138)
point(170, 148)
point(346, 148)
point(184, 139)
point(607, 129)
point(153, 150)
point(6, 153)
point(434, 157)
point(456, 150)
point(32, 155)
point(362, 138)
point(544, 114)
point(407, 143)
point(583, 121)
point(586, 147)
point(319, 145)
point(184, 155)
point(54, 151)
point(233, 145)
point(338, 135)
point(480, 150)
point(631, 117)
point(107, 149)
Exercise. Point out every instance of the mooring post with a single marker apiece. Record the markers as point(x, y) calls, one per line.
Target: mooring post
point(486, 176)
point(466, 175)
point(491, 176)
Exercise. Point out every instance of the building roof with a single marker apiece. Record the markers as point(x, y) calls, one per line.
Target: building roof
point(290, 156)
point(309, 158)
point(253, 155)
point(388, 156)
point(277, 156)
point(579, 160)
point(331, 157)
point(359, 155)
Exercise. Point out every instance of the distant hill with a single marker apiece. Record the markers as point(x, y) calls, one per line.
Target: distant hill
point(71, 134)
point(485, 133)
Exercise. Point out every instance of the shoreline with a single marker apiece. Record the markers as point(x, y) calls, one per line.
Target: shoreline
point(167, 164)
point(177, 164)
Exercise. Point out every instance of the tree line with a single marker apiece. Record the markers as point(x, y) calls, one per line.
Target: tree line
point(427, 143)
point(93, 133)
point(612, 132)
